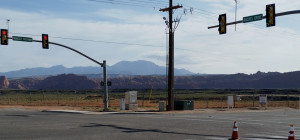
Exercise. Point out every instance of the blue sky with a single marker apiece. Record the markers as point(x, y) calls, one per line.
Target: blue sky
point(138, 32)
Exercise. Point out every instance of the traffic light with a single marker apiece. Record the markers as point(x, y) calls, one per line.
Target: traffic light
point(222, 24)
point(270, 15)
point(45, 41)
point(109, 83)
point(4, 37)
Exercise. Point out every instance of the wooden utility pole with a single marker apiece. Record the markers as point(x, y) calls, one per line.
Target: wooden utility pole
point(171, 55)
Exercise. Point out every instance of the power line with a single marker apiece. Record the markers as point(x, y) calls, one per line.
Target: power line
point(89, 40)
point(108, 42)
point(128, 3)
point(150, 2)
point(209, 13)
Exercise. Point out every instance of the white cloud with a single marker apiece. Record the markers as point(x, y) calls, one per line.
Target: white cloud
point(128, 16)
point(251, 48)
point(34, 56)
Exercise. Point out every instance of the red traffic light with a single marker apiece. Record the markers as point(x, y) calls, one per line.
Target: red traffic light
point(45, 41)
point(4, 37)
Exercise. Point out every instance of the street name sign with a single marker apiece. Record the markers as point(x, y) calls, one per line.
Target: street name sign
point(20, 38)
point(252, 18)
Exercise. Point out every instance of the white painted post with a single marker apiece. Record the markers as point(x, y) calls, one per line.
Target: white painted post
point(44, 98)
point(230, 101)
point(122, 104)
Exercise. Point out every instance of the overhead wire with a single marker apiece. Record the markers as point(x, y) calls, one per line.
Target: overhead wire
point(108, 42)
point(150, 3)
point(128, 3)
point(89, 40)
point(208, 14)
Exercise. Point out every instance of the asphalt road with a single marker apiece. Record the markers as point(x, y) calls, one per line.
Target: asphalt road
point(200, 125)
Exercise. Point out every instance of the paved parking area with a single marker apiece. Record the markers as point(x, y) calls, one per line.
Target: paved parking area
point(196, 125)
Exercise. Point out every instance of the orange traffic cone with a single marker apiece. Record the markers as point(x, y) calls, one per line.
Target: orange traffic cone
point(235, 132)
point(291, 135)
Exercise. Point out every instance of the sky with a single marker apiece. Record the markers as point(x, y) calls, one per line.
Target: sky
point(130, 30)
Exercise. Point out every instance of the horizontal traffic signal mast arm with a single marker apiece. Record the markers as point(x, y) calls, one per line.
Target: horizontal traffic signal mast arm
point(288, 13)
point(64, 46)
point(277, 15)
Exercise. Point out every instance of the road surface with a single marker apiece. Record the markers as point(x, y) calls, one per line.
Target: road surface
point(196, 125)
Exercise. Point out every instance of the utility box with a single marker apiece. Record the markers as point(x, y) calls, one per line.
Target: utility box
point(230, 102)
point(184, 105)
point(131, 97)
point(131, 107)
point(131, 100)
point(122, 104)
point(161, 105)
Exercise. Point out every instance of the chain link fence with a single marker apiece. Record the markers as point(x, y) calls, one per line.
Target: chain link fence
point(93, 99)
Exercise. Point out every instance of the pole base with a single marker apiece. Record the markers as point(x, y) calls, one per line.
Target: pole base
point(105, 110)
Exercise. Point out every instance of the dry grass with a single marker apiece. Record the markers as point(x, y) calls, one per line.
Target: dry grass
point(95, 103)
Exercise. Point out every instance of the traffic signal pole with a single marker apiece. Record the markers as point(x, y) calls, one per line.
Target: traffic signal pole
point(105, 90)
point(105, 100)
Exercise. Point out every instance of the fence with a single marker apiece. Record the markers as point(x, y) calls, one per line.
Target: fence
point(46, 98)
point(94, 99)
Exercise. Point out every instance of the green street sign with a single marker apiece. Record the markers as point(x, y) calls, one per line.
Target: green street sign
point(19, 38)
point(252, 18)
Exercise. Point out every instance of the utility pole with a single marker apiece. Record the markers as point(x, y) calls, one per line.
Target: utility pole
point(171, 55)
point(105, 87)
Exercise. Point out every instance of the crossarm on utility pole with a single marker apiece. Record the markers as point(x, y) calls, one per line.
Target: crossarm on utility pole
point(277, 15)
point(170, 8)
point(101, 64)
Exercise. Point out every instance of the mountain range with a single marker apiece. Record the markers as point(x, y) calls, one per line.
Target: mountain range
point(141, 75)
point(139, 67)
point(259, 80)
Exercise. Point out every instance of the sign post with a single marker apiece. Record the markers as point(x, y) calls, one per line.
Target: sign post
point(263, 100)
point(230, 101)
